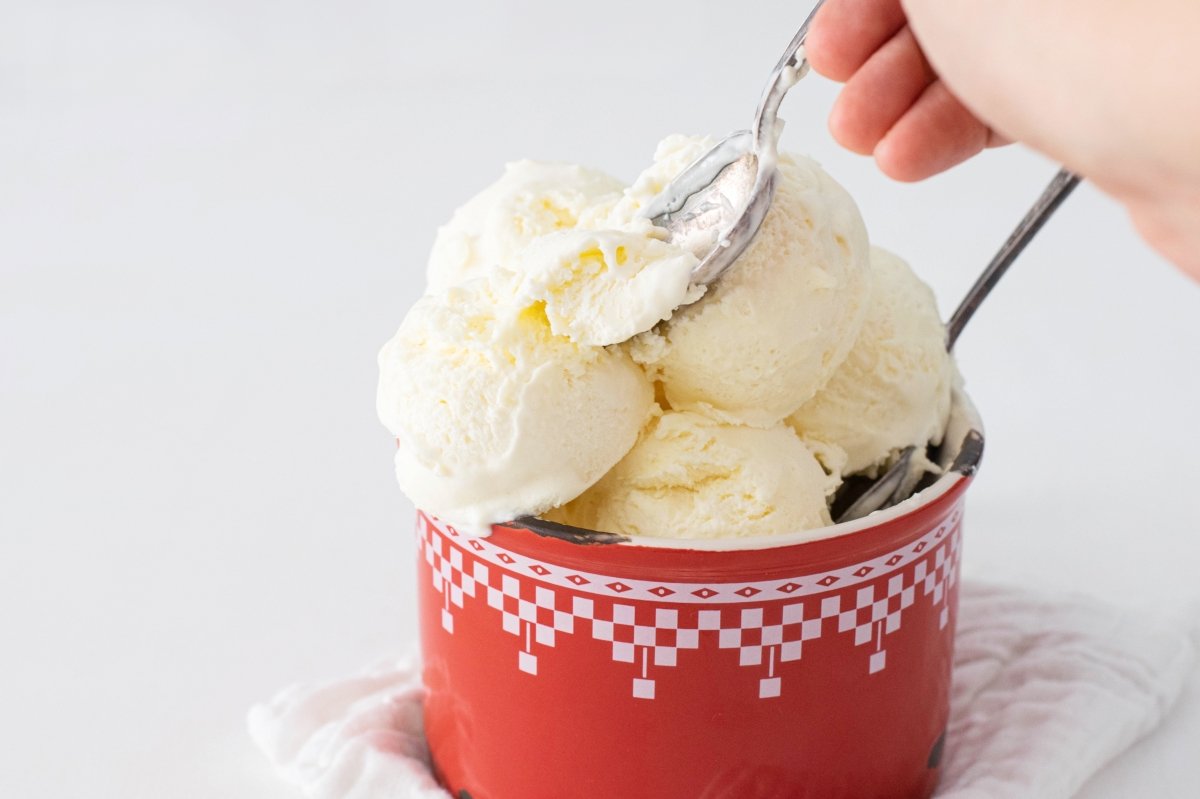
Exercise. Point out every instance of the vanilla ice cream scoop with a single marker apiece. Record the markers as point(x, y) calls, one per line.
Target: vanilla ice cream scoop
point(690, 476)
point(602, 287)
point(893, 389)
point(531, 199)
point(496, 417)
point(770, 333)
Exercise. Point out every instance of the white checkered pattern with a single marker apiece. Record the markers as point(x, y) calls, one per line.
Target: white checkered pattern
point(536, 610)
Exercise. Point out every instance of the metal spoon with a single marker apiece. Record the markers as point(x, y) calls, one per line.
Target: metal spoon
point(898, 482)
point(717, 204)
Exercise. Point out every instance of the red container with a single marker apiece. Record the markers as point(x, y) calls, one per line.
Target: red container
point(562, 664)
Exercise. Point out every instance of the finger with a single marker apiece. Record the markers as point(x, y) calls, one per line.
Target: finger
point(932, 136)
point(879, 93)
point(1170, 228)
point(845, 33)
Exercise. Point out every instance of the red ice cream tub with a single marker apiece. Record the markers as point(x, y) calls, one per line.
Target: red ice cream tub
point(568, 664)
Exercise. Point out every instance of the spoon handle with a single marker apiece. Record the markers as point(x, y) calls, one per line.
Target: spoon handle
point(790, 68)
point(1059, 189)
point(789, 57)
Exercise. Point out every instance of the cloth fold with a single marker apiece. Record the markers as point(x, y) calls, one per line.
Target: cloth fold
point(1046, 691)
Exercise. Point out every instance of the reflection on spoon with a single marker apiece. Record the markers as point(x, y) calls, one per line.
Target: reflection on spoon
point(717, 204)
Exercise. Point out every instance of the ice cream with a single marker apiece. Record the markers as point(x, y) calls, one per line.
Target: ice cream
point(771, 332)
point(672, 155)
point(690, 476)
point(893, 389)
point(500, 386)
point(496, 417)
point(532, 198)
point(603, 287)
point(562, 364)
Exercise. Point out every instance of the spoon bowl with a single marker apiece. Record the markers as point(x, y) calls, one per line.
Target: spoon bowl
point(715, 206)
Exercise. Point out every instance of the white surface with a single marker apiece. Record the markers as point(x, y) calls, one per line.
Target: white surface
point(213, 213)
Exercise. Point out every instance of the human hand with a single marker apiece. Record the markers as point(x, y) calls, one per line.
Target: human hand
point(1112, 90)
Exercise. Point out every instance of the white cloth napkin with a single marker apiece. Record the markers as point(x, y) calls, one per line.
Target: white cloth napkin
point(1046, 691)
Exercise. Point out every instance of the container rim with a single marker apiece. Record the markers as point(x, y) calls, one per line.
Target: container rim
point(960, 462)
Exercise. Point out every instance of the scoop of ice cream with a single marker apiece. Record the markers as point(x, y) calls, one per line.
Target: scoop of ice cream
point(690, 476)
point(603, 287)
point(531, 199)
point(494, 415)
point(893, 389)
point(509, 395)
point(771, 332)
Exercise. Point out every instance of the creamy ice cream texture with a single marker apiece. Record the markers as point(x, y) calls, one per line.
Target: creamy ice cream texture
point(776, 326)
point(561, 364)
point(603, 287)
point(691, 476)
point(529, 200)
point(494, 415)
point(893, 388)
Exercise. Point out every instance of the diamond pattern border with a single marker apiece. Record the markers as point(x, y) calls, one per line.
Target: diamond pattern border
point(763, 637)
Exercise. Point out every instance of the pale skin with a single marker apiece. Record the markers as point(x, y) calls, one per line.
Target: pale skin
point(1109, 88)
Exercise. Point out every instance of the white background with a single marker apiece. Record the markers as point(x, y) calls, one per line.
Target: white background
point(213, 213)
